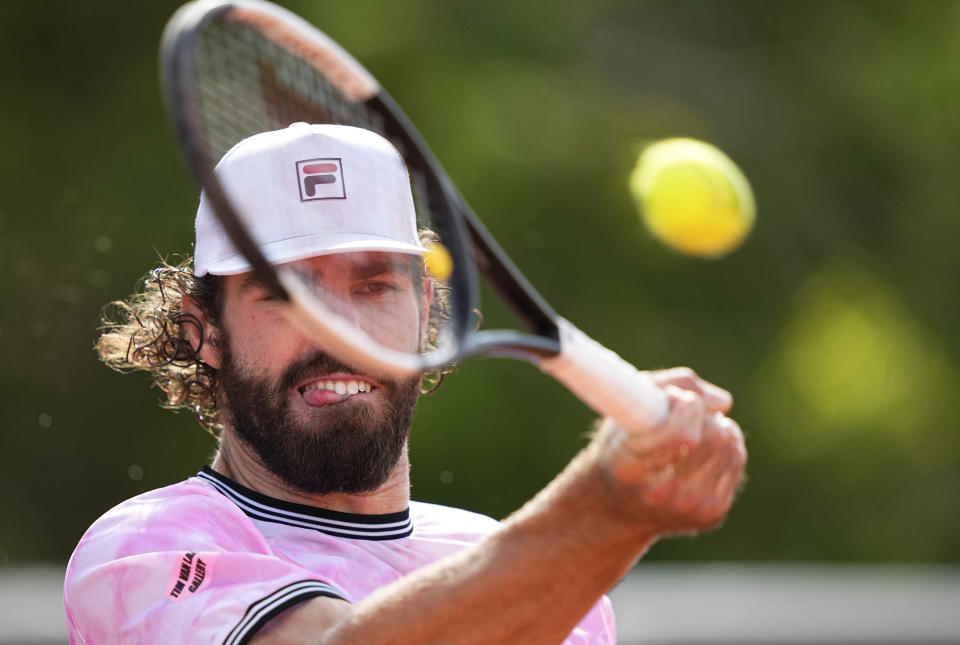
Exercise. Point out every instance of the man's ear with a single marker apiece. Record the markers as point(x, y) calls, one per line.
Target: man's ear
point(427, 300)
point(200, 331)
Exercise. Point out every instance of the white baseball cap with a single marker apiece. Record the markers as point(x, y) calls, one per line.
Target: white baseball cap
point(310, 190)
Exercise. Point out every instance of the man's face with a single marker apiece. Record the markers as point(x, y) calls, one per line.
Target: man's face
point(316, 423)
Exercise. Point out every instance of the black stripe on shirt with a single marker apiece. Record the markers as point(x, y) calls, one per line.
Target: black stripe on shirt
point(384, 526)
point(261, 611)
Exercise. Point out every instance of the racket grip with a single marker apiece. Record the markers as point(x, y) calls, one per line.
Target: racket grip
point(605, 382)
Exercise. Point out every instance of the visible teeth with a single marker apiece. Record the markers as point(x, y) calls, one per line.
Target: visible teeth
point(341, 387)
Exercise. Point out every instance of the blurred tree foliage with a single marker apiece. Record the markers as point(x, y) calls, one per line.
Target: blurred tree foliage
point(834, 325)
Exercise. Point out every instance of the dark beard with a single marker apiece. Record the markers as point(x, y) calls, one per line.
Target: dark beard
point(346, 450)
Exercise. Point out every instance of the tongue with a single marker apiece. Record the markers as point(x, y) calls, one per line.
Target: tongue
point(323, 397)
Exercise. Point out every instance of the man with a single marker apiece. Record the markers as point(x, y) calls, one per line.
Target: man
point(302, 530)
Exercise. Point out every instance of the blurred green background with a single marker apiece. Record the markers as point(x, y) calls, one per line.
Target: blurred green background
point(834, 325)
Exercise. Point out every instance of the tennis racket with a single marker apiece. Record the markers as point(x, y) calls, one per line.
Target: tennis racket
point(235, 68)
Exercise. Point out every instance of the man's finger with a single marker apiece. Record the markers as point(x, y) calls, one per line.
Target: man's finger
point(728, 480)
point(715, 399)
point(719, 452)
point(680, 433)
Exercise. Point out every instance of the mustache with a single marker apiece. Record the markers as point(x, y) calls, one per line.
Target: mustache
point(316, 364)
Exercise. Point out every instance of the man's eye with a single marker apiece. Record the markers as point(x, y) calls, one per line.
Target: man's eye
point(373, 288)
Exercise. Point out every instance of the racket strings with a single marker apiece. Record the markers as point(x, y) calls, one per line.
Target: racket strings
point(248, 83)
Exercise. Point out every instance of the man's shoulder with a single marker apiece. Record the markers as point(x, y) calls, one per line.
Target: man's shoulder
point(162, 518)
point(166, 503)
point(436, 518)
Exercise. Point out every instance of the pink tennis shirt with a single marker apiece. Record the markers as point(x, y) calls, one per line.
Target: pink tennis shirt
point(210, 561)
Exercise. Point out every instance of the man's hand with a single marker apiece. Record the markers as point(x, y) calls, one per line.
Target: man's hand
point(682, 476)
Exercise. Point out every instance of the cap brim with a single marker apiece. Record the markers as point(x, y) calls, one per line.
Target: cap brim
point(301, 248)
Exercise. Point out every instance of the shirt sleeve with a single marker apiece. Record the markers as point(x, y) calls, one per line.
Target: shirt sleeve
point(598, 627)
point(157, 570)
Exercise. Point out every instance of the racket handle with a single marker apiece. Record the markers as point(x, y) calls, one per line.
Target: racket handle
point(605, 382)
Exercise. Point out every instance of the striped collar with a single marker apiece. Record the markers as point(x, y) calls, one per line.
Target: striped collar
point(257, 506)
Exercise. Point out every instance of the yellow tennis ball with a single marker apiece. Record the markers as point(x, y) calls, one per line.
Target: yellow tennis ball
point(693, 197)
point(438, 261)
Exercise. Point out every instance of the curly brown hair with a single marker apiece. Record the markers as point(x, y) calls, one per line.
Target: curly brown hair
point(148, 332)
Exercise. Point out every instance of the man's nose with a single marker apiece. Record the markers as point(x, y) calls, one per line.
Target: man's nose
point(340, 303)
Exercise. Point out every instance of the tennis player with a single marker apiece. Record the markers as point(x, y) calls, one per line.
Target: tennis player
point(302, 530)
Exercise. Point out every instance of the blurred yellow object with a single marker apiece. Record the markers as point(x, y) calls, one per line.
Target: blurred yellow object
point(438, 261)
point(693, 197)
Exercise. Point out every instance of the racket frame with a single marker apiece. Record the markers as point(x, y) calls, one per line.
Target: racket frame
point(182, 38)
point(600, 378)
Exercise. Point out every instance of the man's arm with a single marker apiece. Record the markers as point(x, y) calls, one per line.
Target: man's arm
point(534, 579)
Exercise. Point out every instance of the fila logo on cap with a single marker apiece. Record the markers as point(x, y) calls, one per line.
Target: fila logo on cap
point(320, 179)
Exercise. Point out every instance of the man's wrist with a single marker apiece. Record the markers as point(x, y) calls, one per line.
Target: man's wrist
point(618, 496)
